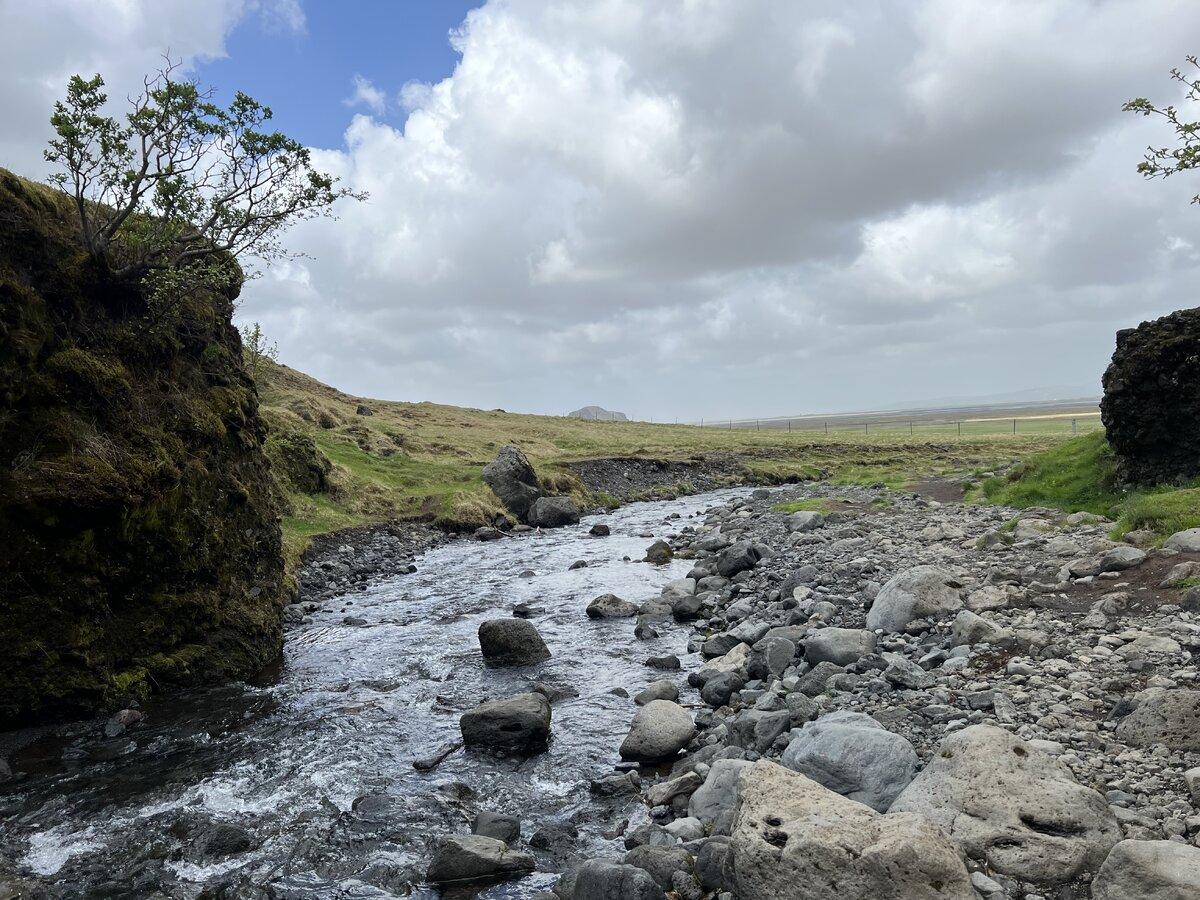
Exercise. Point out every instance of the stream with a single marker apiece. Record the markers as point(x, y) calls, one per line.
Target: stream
point(302, 784)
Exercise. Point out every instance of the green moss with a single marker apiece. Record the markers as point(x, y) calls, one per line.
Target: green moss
point(813, 504)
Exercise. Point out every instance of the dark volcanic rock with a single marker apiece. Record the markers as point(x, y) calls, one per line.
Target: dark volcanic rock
point(553, 512)
point(1151, 405)
point(512, 479)
point(520, 721)
point(511, 642)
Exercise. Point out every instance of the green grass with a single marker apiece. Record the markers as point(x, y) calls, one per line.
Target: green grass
point(812, 504)
point(1079, 475)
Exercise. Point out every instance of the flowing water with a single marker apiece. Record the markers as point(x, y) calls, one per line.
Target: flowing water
point(314, 762)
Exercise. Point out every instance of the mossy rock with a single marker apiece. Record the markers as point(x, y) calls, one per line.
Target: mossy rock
point(137, 508)
point(298, 462)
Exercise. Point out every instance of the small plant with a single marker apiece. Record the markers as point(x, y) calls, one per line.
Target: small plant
point(256, 349)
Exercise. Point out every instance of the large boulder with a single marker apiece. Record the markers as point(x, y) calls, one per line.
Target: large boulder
point(1134, 870)
point(1170, 717)
point(922, 592)
point(716, 799)
point(553, 512)
point(519, 722)
point(738, 558)
point(511, 642)
point(459, 858)
point(852, 754)
point(1011, 804)
point(840, 646)
point(512, 479)
point(659, 731)
point(796, 840)
point(603, 879)
point(610, 606)
point(1151, 408)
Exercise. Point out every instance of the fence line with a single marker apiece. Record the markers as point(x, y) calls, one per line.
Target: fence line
point(1073, 423)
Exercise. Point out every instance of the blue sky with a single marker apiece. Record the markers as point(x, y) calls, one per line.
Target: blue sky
point(305, 76)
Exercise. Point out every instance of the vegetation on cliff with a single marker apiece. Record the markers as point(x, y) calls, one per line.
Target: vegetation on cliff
point(137, 509)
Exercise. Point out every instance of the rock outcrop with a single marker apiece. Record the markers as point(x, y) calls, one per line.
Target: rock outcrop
point(513, 481)
point(138, 514)
point(598, 414)
point(1151, 405)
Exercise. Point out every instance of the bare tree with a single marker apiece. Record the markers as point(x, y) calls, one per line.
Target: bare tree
point(181, 179)
point(1162, 162)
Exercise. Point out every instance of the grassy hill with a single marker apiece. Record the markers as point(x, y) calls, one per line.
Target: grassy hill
point(339, 468)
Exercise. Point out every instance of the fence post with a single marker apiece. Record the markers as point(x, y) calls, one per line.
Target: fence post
point(865, 427)
point(789, 426)
point(959, 428)
point(757, 426)
point(910, 429)
point(827, 426)
point(1074, 430)
point(731, 424)
point(1014, 426)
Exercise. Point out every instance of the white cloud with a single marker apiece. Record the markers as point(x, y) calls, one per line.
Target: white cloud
point(730, 207)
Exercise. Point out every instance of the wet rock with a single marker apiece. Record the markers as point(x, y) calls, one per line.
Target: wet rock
point(840, 646)
point(657, 690)
point(659, 731)
point(600, 530)
point(1164, 870)
point(500, 826)
point(474, 857)
point(923, 592)
point(668, 663)
point(659, 552)
point(522, 721)
point(737, 558)
point(795, 839)
point(853, 755)
point(511, 642)
point(121, 721)
point(1170, 717)
point(610, 606)
point(1012, 805)
point(224, 839)
point(487, 533)
point(553, 512)
point(513, 481)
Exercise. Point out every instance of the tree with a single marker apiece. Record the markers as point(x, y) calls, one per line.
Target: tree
point(1162, 162)
point(181, 180)
point(256, 348)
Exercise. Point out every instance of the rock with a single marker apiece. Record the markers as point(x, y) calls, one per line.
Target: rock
point(756, 729)
point(770, 657)
point(903, 672)
point(1135, 870)
point(1118, 559)
point(720, 688)
point(807, 520)
point(1187, 541)
point(602, 879)
point(971, 628)
point(610, 606)
point(840, 646)
point(813, 682)
point(687, 608)
point(717, 797)
point(224, 839)
point(487, 533)
point(667, 663)
point(1170, 717)
point(1013, 805)
point(1192, 778)
point(853, 755)
point(710, 862)
point(661, 863)
point(1150, 412)
point(500, 826)
point(553, 512)
point(599, 530)
point(659, 731)
point(796, 840)
point(923, 592)
point(511, 642)
point(657, 690)
point(737, 558)
point(664, 792)
point(473, 857)
point(513, 481)
point(598, 414)
point(659, 552)
point(522, 721)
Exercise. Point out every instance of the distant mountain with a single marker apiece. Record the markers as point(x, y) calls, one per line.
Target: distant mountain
point(598, 414)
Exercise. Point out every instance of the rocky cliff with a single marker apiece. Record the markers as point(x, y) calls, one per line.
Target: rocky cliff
point(140, 535)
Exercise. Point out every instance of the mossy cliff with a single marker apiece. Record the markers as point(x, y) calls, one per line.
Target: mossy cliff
point(138, 517)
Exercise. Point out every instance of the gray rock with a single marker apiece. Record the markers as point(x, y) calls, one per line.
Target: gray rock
point(796, 840)
point(1170, 717)
point(852, 754)
point(511, 642)
point(1008, 803)
point(1187, 541)
point(602, 879)
point(923, 592)
point(520, 721)
point(474, 857)
point(971, 628)
point(840, 646)
point(720, 688)
point(500, 826)
point(769, 657)
point(806, 520)
point(661, 863)
point(814, 682)
point(659, 731)
point(903, 672)
point(553, 512)
point(756, 729)
point(512, 480)
point(710, 862)
point(717, 797)
point(738, 558)
point(610, 606)
point(657, 690)
point(659, 552)
point(1118, 559)
point(1135, 870)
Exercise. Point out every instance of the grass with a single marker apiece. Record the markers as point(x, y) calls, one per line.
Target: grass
point(1079, 476)
point(811, 504)
point(424, 460)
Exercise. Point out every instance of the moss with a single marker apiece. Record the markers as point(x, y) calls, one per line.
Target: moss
point(137, 509)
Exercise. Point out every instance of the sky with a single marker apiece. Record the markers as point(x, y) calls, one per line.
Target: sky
point(684, 208)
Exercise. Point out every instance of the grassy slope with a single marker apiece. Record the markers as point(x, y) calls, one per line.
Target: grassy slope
point(1078, 475)
point(413, 460)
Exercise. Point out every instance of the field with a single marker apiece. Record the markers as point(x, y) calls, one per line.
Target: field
point(410, 460)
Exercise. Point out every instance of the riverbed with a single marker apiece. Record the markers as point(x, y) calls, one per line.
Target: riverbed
point(303, 781)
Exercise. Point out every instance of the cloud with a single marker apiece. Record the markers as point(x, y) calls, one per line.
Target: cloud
point(738, 207)
point(366, 94)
